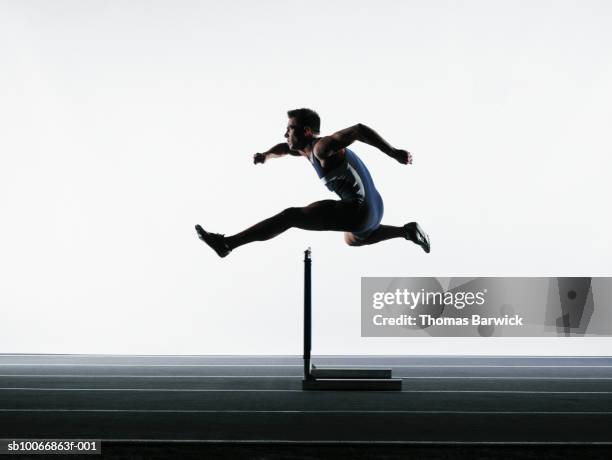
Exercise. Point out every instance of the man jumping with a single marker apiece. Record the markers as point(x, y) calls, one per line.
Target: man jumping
point(358, 212)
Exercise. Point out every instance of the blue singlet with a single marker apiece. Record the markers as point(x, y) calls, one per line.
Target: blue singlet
point(351, 181)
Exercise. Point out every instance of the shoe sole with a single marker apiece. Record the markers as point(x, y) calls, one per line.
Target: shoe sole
point(422, 238)
point(203, 234)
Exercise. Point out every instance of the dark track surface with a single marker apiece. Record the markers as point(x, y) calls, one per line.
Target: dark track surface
point(232, 398)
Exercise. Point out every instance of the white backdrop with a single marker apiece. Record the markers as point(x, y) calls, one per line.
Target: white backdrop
point(123, 124)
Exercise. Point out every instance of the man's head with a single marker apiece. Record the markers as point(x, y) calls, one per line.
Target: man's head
point(302, 127)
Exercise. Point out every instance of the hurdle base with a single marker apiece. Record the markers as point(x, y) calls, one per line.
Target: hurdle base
point(349, 378)
point(350, 373)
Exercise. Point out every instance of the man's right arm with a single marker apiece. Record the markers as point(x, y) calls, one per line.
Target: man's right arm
point(278, 150)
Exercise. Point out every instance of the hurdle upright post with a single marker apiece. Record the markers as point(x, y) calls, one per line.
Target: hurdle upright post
point(307, 313)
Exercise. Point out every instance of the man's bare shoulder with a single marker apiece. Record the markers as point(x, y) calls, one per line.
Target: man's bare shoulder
point(325, 147)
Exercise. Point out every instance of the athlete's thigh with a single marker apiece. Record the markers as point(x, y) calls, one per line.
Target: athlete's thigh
point(333, 214)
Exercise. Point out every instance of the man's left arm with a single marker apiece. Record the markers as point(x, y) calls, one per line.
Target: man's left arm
point(359, 132)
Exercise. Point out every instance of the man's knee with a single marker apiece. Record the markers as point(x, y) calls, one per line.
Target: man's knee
point(352, 240)
point(293, 215)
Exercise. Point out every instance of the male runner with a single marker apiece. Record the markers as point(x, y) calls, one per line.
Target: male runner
point(358, 212)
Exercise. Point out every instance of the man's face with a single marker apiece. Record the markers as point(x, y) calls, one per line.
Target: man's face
point(297, 137)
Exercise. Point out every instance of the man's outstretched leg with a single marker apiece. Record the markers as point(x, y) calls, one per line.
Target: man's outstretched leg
point(412, 232)
point(321, 215)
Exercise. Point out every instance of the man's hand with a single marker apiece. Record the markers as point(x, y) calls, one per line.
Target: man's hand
point(259, 158)
point(403, 156)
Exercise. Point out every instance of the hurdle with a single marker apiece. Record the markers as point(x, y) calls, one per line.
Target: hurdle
point(337, 378)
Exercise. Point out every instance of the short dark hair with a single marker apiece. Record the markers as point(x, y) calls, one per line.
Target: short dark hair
point(307, 118)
